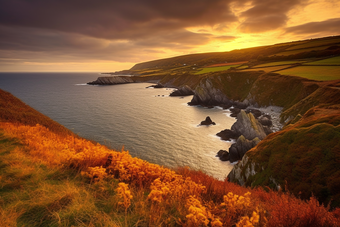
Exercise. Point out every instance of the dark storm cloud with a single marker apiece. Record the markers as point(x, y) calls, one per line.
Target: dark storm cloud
point(106, 29)
point(266, 15)
point(114, 19)
point(331, 25)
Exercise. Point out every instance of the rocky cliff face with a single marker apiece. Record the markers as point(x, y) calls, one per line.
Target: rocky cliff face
point(248, 131)
point(248, 126)
point(207, 94)
point(183, 91)
point(301, 158)
point(112, 80)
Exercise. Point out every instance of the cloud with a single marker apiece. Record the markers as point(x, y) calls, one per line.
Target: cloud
point(43, 44)
point(330, 25)
point(114, 19)
point(267, 15)
point(135, 30)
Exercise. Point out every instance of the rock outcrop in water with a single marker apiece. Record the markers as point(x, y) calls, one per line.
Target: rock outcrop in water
point(248, 126)
point(242, 145)
point(248, 131)
point(207, 121)
point(183, 91)
point(112, 80)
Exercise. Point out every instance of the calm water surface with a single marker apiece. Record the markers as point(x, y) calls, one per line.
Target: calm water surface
point(147, 122)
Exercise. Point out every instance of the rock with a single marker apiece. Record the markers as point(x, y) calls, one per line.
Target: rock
point(223, 155)
point(255, 112)
point(234, 112)
point(264, 120)
point(242, 171)
point(240, 105)
point(233, 154)
point(208, 121)
point(206, 94)
point(112, 80)
point(227, 134)
point(156, 86)
point(242, 145)
point(183, 91)
point(248, 126)
point(226, 106)
point(267, 130)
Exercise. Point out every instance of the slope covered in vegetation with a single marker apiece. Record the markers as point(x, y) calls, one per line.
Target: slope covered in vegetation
point(303, 157)
point(53, 178)
point(301, 77)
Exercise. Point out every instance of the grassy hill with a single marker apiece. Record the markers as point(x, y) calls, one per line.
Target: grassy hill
point(50, 177)
point(316, 59)
point(300, 76)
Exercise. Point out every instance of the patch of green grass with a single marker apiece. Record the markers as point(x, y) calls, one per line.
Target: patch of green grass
point(315, 43)
point(243, 67)
point(268, 69)
point(328, 61)
point(277, 63)
point(321, 73)
point(215, 69)
point(296, 51)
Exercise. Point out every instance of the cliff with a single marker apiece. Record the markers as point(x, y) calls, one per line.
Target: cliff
point(303, 158)
point(112, 80)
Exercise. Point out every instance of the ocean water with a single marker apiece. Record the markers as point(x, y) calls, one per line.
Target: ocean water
point(147, 122)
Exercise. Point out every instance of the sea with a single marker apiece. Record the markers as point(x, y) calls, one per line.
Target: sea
point(147, 122)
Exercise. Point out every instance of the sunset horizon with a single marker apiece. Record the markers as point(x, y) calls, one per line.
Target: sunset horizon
point(74, 36)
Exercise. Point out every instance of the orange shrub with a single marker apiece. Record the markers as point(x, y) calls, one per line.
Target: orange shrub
point(197, 198)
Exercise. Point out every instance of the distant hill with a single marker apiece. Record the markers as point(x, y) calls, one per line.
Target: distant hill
point(291, 50)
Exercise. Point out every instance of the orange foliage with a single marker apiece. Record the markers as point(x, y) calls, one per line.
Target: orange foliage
point(199, 199)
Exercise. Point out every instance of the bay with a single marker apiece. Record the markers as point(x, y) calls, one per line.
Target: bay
point(147, 122)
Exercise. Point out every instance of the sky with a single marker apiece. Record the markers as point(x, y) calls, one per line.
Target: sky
point(113, 35)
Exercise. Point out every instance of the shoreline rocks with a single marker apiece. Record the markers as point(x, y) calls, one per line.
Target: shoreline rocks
point(223, 155)
point(248, 131)
point(183, 91)
point(112, 80)
point(248, 126)
point(242, 145)
point(227, 134)
point(158, 85)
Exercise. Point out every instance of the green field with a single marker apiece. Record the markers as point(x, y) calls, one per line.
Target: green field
point(215, 69)
point(268, 69)
point(321, 73)
point(243, 67)
point(328, 61)
point(315, 43)
point(291, 52)
point(277, 63)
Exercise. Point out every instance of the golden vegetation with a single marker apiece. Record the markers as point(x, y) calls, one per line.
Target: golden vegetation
point(133, 192)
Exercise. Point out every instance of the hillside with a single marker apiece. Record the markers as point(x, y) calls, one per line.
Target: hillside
point(301, 77)
point(51, 177)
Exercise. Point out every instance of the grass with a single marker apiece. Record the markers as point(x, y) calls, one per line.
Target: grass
point(320, 73)
point(33, 193)
point(267, 69)
point(315, 43)
point(243, 67)
point(328, 61)
point(215, 69)
point(278, 63)
point(296, 51)
point(37, 191)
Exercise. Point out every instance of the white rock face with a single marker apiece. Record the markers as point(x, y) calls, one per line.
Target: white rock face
point(236, 174)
